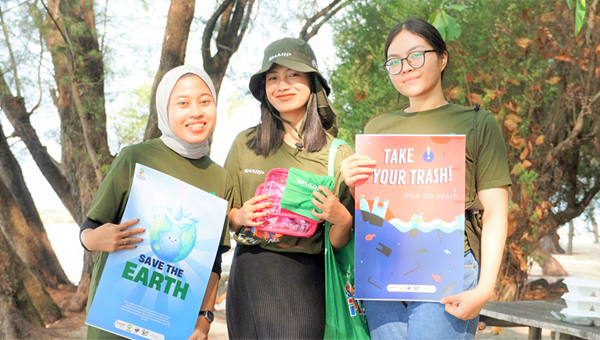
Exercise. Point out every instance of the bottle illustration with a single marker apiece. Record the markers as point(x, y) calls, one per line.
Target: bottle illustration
point(364, 208)
point(378, 213)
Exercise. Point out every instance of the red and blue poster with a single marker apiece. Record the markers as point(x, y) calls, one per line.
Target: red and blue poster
point(410, 218)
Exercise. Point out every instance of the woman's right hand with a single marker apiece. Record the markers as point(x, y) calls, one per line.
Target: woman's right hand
point(246, 215)
point(356, 168)
point(112, 237)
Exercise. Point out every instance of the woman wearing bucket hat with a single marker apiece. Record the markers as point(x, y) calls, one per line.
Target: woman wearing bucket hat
point(187, 115)
point(416, 57)
point(276, 285)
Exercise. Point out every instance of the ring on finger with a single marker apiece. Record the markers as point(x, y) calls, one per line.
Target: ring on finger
point(124, 242)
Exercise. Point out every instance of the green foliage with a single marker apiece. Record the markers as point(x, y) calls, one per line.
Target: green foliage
point(447, 26)
point(129, 124)
point(361, 86)
point(579, 15)
point(518, 59)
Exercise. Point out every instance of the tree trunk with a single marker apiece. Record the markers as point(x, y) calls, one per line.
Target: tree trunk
point(28, 239)
point(595, 230)
point(70, 33)
point(550, 266)
point(24, 303)
point(181, 13)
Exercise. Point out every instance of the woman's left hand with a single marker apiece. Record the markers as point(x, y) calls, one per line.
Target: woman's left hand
point(467, 304)
point(201, 329)
point(333, 210)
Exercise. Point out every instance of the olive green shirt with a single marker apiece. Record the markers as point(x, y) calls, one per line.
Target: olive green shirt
point(492, 160)
point(110, 200)
point(248, 170)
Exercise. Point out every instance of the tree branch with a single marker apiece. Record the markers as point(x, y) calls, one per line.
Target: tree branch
point(208, 32)
point(572, 212)
point(244, 24)
point(325, 14)
point(11, 54)
point(16, 113)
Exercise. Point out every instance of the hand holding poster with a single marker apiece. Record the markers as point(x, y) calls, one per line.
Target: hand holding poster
point(155, 291)
point(410, 218)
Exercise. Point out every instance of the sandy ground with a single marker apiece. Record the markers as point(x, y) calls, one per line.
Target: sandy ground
point(585, 262)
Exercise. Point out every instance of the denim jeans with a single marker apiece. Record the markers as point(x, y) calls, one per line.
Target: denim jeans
point(422, 320)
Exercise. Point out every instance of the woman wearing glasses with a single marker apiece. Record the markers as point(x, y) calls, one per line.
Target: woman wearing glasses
point(416, 57)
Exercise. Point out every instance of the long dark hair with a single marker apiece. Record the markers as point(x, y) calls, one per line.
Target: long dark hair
point(270, 130)
point(424, 30)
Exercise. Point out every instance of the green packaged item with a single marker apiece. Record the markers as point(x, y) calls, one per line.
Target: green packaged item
point(298, 192)
point(344, 315)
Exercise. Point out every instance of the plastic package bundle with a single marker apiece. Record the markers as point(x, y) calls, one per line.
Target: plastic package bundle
point(280, 220)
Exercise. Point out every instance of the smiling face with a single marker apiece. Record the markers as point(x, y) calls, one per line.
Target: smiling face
point(416, 82)
point(287, 90)
point(192, 110)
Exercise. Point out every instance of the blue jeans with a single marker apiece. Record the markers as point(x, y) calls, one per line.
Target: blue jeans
point(422, 320)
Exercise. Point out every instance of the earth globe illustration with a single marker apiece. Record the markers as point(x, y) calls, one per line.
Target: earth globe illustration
point(172, 234)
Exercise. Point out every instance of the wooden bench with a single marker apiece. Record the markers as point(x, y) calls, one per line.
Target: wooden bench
point(535, 315)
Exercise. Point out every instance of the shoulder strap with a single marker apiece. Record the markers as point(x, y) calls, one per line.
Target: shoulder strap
point(335, 144)
point(475, 152)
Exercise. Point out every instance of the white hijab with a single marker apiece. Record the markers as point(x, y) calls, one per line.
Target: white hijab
point(163, 92)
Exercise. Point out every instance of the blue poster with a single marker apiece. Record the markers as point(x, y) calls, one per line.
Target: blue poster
point(155, 291)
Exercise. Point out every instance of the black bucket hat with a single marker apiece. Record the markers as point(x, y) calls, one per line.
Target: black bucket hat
point(296, 54)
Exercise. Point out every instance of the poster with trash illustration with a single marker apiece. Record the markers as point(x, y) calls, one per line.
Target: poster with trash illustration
point(409, 218)
point(155, 291)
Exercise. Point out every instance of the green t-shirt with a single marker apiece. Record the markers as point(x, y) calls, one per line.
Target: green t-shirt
point(492, 160)
point(248, 170)
point(111, 198)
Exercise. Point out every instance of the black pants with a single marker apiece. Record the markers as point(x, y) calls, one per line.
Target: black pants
point(273, 295)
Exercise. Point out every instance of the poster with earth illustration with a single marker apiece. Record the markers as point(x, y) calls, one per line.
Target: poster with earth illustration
point(410, 218)
point(155, 291)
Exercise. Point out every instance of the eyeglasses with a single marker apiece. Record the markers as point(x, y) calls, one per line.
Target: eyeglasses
point(415, 59)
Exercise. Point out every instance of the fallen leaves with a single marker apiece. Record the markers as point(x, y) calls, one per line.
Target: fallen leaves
point(548, 17)
point(475, 98)
point(524, 42)
point(564, 56)
point(453, 92)
point(361, 95)
point(516, 142)
point(540, 140)
point(512, 225)
point(553, 80)
point(519, 254)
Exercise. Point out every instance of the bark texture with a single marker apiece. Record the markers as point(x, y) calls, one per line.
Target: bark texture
point(181, 13)
point(24, 302)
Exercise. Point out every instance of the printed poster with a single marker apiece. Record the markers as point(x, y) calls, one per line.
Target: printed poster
point(409, 218)
point(155, 291)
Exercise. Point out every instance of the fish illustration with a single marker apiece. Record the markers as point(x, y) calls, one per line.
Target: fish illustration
point(447, 251)
point(369, 237)
point(436, 278)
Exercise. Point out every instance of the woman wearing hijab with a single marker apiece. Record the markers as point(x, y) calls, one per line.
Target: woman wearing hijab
point(187, 115)
point(276, 284)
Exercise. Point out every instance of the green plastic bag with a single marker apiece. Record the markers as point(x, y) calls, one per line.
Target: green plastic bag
point(298, 193)
point(344, 316)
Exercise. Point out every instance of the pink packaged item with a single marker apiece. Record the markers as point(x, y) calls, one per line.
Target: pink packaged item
point(280, 220)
